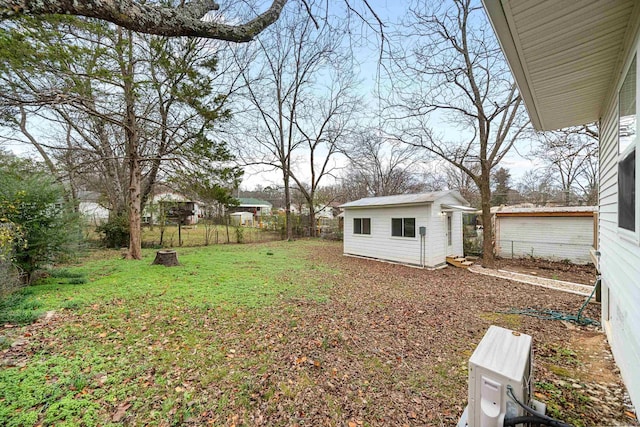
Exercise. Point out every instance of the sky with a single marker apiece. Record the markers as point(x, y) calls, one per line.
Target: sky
point(372, 78)
point(369, 75)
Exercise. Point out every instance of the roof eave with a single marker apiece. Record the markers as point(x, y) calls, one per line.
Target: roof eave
point(584, 96)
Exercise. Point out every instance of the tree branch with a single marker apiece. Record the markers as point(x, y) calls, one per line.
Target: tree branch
point(186, 20)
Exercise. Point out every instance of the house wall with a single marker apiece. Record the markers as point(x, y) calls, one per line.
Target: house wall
point(93, 212)
point(555, 238)
point(620, 254)
point(380, 244)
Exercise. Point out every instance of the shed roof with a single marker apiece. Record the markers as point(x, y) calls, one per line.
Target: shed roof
point(564, 55)
point(403, 199)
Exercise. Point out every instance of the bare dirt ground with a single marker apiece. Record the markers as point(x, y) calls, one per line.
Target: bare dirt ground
point(390, 345)
point(583, 274)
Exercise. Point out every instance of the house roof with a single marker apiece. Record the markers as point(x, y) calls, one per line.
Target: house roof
point(564, 55)
point(402, 199)
point(250, 201)
point(88, 196)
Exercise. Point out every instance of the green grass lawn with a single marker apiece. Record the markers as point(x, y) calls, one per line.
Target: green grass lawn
point(149, 340)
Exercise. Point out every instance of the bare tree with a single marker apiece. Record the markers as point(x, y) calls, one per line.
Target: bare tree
point(381, 166)
point(458, 179)
point(183, 19)
point(324, 123)
point(453, 72)
point(292, 110)
point(536, 187)
point(571, 156)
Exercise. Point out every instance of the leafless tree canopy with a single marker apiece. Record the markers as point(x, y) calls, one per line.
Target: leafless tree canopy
point(300, 102)
point(570, 157)
point(381, 166)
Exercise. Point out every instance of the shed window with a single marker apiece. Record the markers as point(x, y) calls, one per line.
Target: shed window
point(627, 142)
point(403, 227)
point(362, 226)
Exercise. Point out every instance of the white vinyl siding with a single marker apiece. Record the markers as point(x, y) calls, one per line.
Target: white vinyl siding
point(620, 255)
point(554, 238)
point(382, 245)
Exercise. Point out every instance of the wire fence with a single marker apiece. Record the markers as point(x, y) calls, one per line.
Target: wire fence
point(548, 249)
point(205, 235)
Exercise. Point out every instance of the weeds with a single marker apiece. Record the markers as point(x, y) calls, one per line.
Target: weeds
point(18, 308)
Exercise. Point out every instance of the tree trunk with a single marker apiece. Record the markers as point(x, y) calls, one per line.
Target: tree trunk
point(312, 221)
point(166, 258)
point(135, 231)
point(227, 224)
point(287, 208)
point(488, 260)
point(132, 137)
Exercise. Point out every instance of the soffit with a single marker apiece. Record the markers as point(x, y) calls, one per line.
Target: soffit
point(564, 54)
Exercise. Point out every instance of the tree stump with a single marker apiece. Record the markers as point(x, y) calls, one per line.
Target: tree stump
point(167, 258)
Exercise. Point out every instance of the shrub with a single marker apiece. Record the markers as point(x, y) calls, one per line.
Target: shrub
point(239, 234)
point(9, 278)
point(34, 205)
point(115, 232)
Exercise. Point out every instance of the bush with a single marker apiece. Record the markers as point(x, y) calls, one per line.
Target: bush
point(9, 278)
point(115, 232)
point(239, 234)
point(33, 204)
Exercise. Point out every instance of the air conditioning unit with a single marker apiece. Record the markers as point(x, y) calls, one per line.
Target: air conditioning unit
point(501, 362)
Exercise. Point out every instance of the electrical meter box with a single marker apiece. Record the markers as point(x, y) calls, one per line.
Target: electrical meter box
point(503, 358)
point(423, 231)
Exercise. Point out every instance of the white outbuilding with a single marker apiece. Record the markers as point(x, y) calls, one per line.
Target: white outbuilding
point(414, 229)
point(554, 233)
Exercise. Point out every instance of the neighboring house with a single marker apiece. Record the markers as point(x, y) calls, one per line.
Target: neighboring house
point(256, 206)
point(325, 212)
point(557, 234)
point(90, 208)
point(173, 205)
point(576, 62)
point(416, 229)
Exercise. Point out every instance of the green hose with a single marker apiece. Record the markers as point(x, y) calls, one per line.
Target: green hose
point(557, 315)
